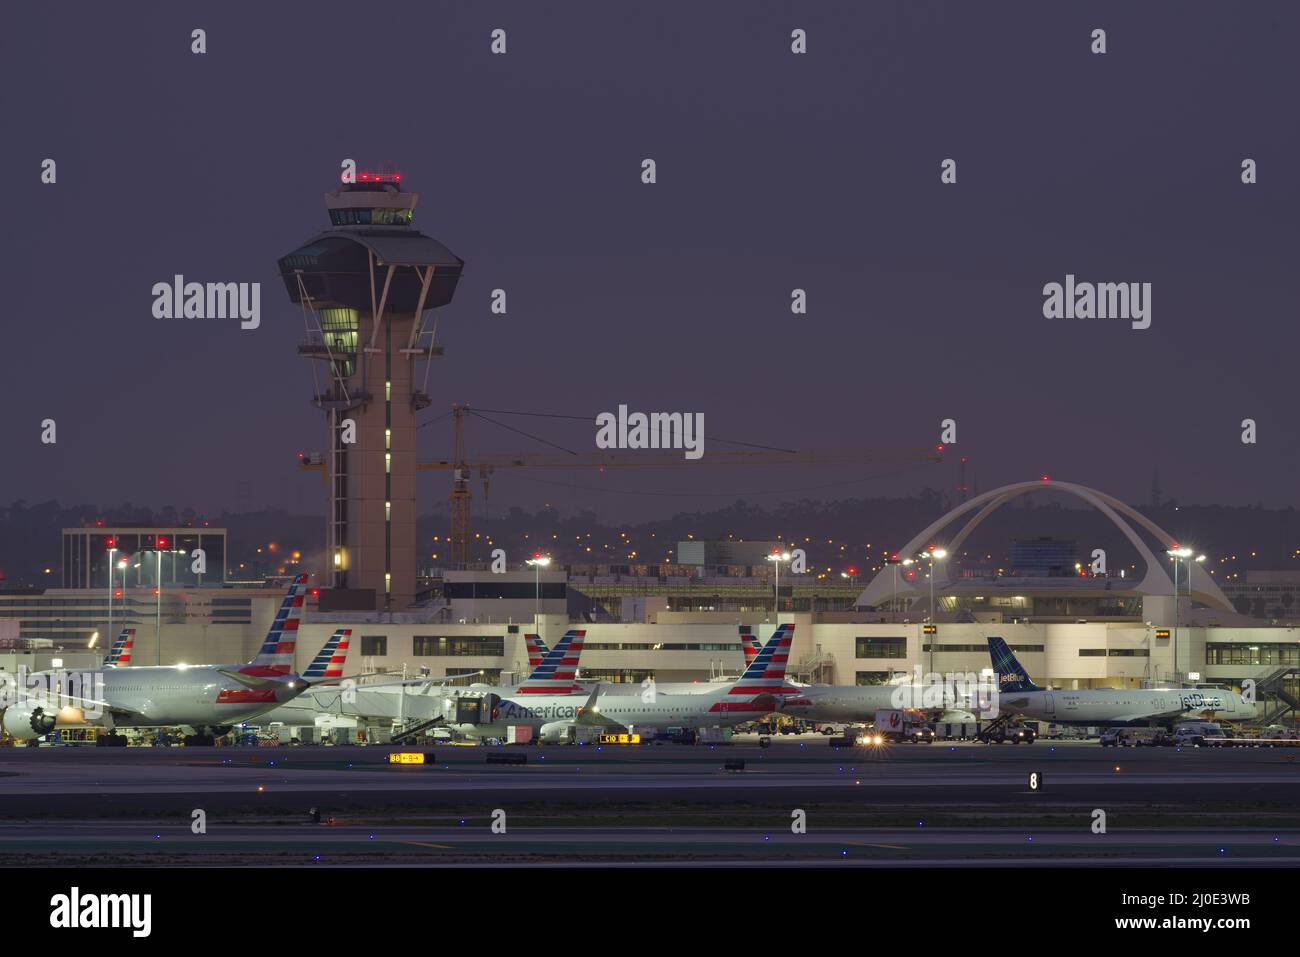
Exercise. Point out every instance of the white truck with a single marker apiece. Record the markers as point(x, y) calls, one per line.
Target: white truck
point(897, 725)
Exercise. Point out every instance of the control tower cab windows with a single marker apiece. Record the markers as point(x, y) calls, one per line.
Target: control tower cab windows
point(376, 216)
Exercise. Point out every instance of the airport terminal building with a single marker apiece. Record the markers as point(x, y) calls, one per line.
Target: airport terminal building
point(682, 623)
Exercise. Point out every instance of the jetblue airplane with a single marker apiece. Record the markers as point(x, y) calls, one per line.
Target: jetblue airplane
point(208, 698)
point(1107, 706)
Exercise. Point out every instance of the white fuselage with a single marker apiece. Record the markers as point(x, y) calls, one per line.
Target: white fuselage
point(710, 709)
point(197, 695)
point(1101, 706)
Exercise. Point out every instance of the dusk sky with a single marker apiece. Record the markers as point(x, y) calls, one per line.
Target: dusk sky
point(775, 171)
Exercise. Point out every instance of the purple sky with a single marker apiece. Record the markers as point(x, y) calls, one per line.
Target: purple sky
point(775, 171)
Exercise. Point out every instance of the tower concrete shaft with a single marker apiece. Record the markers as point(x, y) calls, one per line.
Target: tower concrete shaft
point(368, 288)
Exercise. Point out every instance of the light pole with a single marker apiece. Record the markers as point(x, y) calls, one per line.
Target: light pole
point(538, 561)
point(160, 545)
point(776, 558)
point(932, 555)
point(1180, 554)
point(112, 549)
point(906, 563)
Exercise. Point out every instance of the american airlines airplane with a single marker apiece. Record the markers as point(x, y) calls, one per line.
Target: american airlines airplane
point(555, 703)
point(211, 699)
point(820, 704)
point(420, 699)
point(749, 646)
point(1107, 706)
point(827, 704)
point(759, 691)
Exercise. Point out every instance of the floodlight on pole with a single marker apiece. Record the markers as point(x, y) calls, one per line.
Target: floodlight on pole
point(538, 561)
point(776, 558)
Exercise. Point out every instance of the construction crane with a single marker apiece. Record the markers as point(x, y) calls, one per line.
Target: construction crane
point(462, 468)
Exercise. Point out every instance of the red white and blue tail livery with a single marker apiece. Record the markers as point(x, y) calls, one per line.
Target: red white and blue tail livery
point(328, 663)
point(763, 684)
point(557, 672)
point(536, 649)
point(276, 656)
point(119, 656)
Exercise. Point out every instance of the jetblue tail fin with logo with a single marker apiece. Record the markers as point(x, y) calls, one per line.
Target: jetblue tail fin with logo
point(119, 656)
point(1011, 676)
point(276, 656)
point(328, 663)
point(558, 671)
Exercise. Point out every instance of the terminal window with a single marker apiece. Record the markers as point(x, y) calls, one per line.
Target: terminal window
point(440, 646)
point(374, 645)
point(881, 648)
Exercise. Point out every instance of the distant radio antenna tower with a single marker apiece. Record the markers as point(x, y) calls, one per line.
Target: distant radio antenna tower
point(243, 496)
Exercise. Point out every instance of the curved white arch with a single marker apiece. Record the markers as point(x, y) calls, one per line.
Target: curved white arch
point(1156, 581)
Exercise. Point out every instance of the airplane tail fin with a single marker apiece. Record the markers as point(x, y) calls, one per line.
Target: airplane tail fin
point(119, 656)
point(276, 656)
point(766, 673)
point(1012, 677)
point(536, 649)
point(749, 644)
point(558, 671)
point(328, 663)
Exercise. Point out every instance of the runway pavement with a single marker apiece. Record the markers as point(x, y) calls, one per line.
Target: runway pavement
point(899, 805)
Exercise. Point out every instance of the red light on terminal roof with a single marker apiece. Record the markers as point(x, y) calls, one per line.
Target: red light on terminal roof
point(315, 593)
point(110, 542)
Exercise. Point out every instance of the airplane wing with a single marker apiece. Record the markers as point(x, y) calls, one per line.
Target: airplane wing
point(406, 682)
point(251, 681)
point(589, 714)
point(82, 703)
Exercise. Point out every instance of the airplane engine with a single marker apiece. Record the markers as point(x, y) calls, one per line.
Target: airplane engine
point(24, 724)
point(555, 732)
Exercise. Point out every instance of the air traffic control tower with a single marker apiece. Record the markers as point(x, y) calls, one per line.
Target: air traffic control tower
point(368, 287)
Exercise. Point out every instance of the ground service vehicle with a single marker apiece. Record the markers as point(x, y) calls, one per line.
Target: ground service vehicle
point(897, 725)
